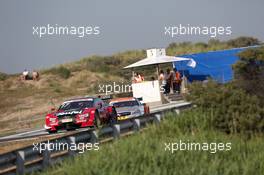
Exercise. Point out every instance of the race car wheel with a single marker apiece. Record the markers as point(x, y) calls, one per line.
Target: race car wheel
point(97, 120)
point(52, 132)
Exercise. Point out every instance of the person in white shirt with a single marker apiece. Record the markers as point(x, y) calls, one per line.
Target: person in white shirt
point(138, 78)
point(25, 74)
point(162, 80)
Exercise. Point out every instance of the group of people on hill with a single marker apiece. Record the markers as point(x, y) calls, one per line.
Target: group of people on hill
point(27, 75)
point(170, 81)
point(138, 78)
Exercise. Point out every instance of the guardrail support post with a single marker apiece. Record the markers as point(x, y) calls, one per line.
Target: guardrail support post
point(20, 162)
point(46, 157)
point(157, 118)
point(177, 111)
point(71, 141)
point(93, 137)
point(136, 125)
point(116, 131)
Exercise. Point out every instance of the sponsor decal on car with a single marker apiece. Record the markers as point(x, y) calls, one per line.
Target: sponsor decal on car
point(69, 113)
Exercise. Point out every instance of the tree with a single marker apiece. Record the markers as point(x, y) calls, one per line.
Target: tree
point(243, 42)
point(249, 72)
point(232, 110)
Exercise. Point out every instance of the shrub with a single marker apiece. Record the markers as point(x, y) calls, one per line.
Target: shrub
point(249, 72)
point(62, 71)
point(243, 42)
point(234, 111)
point(213, 44)
point(113, 64)
point(2, 76)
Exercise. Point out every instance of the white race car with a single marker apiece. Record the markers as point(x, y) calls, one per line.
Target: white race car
point(129, 107)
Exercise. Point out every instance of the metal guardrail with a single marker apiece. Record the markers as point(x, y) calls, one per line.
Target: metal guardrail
point(27, 160)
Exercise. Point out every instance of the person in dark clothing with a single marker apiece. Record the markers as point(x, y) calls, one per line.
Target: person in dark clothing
point(169, 78)
point(177, 81)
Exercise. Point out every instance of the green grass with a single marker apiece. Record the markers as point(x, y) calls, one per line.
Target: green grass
point(3, 76)
point(144, 153)
point(61, 71)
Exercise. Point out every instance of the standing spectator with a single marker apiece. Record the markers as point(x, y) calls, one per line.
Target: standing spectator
point(35, 75)
point(177, 81)
point(162, 81)
point(169, 79)
point(142, 77)
point(25, 74)
point(138, 78)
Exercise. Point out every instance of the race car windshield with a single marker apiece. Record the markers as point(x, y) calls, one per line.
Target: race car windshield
point(76, 105)
point(125, 104)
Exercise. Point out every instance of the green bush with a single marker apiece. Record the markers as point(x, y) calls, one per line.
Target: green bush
point(249, 72)
point(213, 44)
point(2, 76)
point(237, 106)
point(233, 110)
point(62, 71)
point(113, 64)
point(243, 42)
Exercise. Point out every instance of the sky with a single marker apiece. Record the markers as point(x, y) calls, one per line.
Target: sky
point(123, 25)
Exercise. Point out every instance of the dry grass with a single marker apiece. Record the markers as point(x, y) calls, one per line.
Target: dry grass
point(24, 103)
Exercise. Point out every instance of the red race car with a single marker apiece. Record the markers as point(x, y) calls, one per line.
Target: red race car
point(80, 112)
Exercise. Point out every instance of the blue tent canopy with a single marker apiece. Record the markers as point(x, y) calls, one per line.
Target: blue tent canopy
point(214, 64)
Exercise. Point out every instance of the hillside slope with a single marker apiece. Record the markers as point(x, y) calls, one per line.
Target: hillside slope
point(30, 100)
